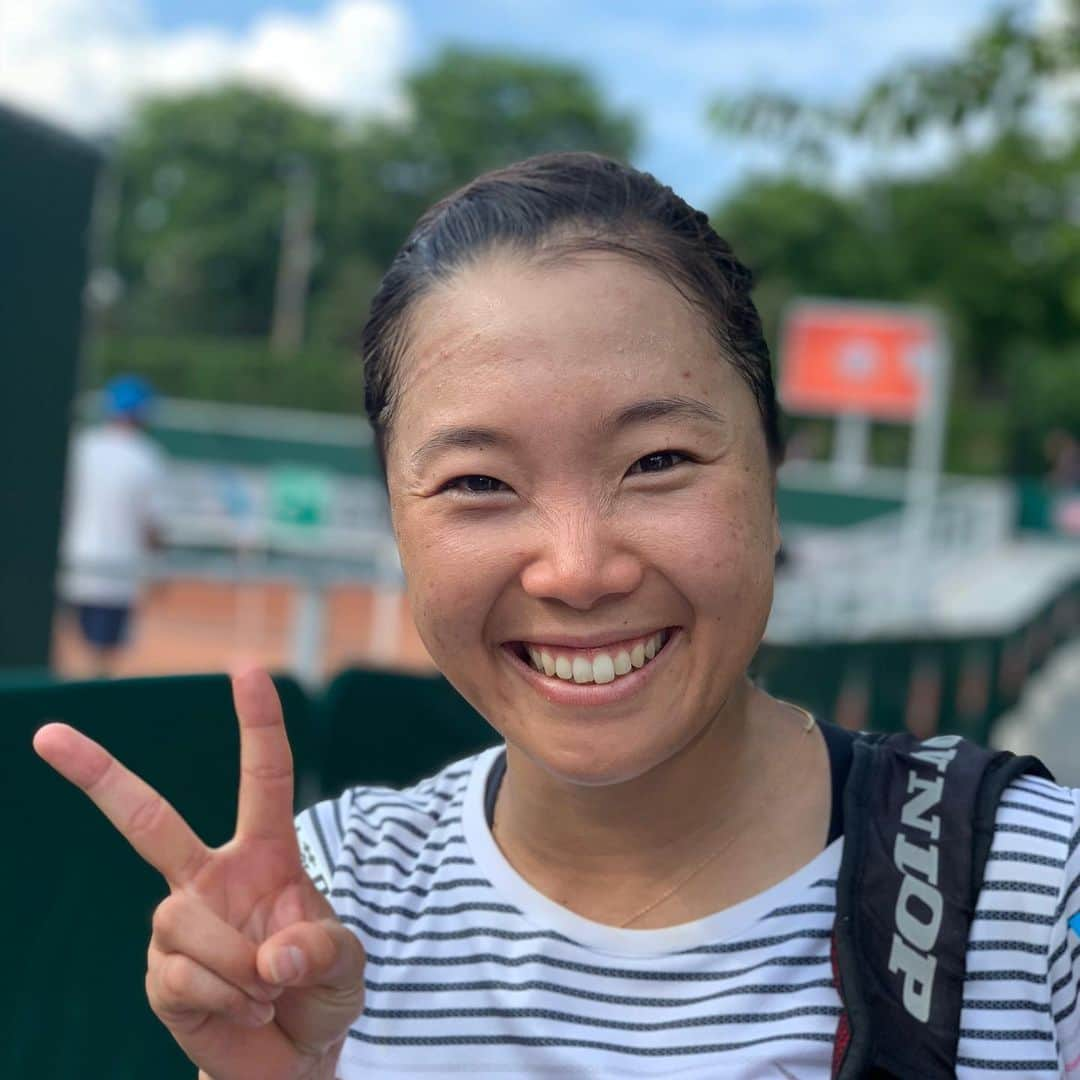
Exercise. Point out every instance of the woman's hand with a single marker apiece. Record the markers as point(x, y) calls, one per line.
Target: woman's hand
point(248, 967)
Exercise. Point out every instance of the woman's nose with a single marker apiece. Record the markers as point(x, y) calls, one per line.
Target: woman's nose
point(580, 562)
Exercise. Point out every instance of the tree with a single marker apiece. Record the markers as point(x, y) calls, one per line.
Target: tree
point(990, 237)
point(997, 82)
point(203, 180)
point(469, 112)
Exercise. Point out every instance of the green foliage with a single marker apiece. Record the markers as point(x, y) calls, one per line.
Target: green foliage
point(338, 311)
point(1043, 398)
point(991, 238)
point(236, 370)
point(203, 186)
point(995, 81)
point(470, 112)
point(202, 192)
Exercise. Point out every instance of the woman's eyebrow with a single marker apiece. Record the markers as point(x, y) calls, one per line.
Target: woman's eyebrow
point(664, 408)
point(459, 438)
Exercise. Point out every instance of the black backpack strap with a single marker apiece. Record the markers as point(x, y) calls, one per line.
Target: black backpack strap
point(918, 824)
point(1002, 769)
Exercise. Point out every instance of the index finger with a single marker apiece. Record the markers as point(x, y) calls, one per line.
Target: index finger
point(145, 819)
point(265, 805)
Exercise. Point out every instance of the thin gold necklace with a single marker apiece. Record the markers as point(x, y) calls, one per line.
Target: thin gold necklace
point(681, 882)
point(808, 726)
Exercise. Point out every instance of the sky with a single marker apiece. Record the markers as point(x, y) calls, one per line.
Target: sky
point(80, 63)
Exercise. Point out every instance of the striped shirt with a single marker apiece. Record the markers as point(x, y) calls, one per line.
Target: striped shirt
point(472, 970)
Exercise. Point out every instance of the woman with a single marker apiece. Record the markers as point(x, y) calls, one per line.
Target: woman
point(572, 400)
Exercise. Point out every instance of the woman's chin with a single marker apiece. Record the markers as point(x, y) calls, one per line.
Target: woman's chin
point(597, 759)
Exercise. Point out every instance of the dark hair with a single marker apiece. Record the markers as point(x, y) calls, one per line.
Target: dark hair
point(561, 204)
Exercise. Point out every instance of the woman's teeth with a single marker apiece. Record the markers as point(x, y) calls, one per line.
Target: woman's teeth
point(601, 667)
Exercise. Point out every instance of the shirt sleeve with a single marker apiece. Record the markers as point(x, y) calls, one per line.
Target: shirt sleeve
point(1063, 971)
point(320, 836)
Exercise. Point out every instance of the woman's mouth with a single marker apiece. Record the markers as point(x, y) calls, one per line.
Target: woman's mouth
point(602, 664)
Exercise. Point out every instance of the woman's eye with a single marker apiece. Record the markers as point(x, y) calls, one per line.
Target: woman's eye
point(661, 461)
point(475, 485)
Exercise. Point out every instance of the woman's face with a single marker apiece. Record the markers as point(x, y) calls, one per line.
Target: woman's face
point(576, 477)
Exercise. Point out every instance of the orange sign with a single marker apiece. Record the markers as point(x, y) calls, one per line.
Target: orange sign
point(871, 361)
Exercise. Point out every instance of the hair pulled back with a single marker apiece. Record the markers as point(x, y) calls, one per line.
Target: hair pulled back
point(562, 204)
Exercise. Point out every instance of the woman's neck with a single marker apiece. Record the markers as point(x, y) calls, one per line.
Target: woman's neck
point(681, 803)
point(606, 851)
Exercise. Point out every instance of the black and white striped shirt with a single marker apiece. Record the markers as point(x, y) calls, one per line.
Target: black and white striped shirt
point(472, 970)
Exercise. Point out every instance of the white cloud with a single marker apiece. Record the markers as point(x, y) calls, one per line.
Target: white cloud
point(81, 63)
point(825, 51)
point(668, 62)
point(825, 47)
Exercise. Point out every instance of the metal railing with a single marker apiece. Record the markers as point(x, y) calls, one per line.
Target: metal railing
point(883, 576)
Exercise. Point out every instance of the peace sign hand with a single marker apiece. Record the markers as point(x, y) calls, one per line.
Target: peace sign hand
point(248, 966)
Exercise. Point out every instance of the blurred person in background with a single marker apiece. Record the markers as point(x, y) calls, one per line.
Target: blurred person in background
point(111, 524)
point(572, 400)
point(1062, 450)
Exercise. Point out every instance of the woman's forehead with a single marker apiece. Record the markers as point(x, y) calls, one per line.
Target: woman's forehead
point(596, 318)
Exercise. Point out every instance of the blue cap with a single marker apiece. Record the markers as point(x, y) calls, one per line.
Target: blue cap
point(128, 396)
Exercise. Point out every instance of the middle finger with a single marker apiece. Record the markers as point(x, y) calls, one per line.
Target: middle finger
point(183, 924)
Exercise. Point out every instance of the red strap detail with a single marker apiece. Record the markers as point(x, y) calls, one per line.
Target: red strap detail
point(843, 1027)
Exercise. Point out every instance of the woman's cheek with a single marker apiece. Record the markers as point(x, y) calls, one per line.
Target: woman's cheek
point(453, 584)
point(721, 547)
point(440, 601)
point(432, 586)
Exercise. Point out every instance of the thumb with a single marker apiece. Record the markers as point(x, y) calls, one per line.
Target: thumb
point(322, 963)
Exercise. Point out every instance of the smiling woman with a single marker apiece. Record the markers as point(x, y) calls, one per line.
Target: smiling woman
point(574, 408)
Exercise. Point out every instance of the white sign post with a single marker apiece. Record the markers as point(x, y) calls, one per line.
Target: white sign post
point(863, 362)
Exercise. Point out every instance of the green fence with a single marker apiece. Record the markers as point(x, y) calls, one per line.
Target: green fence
point(931, 684)
point(78, 902)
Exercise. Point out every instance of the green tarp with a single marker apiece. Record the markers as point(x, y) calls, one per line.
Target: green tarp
point(77, 900)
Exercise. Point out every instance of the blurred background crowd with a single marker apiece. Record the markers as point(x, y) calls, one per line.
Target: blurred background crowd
point(257, 164)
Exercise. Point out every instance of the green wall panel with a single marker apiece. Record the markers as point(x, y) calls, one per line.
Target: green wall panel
point(46, 189)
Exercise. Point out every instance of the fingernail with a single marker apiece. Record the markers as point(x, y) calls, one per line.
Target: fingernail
point(262, 1012)
point(287, 964)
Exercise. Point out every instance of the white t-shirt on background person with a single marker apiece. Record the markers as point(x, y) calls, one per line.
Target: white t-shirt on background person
point(115, 479)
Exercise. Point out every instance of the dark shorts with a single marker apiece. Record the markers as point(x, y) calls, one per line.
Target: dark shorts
point(102, 626)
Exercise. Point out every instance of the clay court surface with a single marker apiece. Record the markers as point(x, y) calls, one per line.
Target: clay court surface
point(189, 626)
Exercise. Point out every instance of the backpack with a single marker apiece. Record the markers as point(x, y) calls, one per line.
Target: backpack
point(903, 913)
